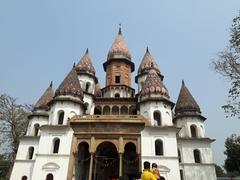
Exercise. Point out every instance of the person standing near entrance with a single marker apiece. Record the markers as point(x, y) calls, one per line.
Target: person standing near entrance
point(155, 171)
point(147, 174)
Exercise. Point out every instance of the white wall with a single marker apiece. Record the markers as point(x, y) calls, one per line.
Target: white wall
point(36, 120)
point(147, 109)
point(70, 109)
point(185, 124)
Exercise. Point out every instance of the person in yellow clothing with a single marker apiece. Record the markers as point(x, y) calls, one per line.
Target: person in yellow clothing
point(155, 171)
point(147, 174)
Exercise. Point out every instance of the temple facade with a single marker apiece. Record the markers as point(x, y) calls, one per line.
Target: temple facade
point(83, 132)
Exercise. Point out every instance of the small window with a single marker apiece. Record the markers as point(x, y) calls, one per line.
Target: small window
point(162, 178)
point(30, 152)
point(193, 131)
point(49, 176)
point(61, 118)
point(179, 156)
point(158, 147)
point(117, 79)
point(36, 129)
point(197, 156)
point(87, 87)
point(24, 178)
point(117, 95)
point(56, 144)
point(157, 117)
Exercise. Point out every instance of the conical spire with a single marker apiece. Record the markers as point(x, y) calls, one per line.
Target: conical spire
point(45, 98)
point(186, 102)
point(154, 85)
point(70, 86)
point(147, 63)
point(85, 64)
point(119, 48)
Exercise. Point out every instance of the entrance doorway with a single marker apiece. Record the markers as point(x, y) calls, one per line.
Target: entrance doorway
point(130, 162)
point(106, 162)
point(82, 162)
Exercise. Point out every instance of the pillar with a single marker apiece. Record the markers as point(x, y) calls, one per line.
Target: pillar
point(120, 165)
point(90, 167)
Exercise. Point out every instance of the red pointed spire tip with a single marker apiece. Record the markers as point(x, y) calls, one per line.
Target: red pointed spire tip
point(51, 84)
point(147, 50)
point(183, 83)
point(120, 29)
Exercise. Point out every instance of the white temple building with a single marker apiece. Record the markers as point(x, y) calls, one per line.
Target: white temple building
point(83, 132)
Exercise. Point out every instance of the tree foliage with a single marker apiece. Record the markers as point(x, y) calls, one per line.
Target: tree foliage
point(4, 167)
point(13, 120)
point(232, 162)
point(228, 65)
point(219, 171)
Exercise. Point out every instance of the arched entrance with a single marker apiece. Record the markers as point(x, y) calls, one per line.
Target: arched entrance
point(130, 161)
point(82, 161)
point(106, 162)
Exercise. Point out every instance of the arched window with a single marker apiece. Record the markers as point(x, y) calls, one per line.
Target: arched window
point(197, 156)
point(157, 117)
point(124, 110)
point(30, 152)
point(56, 143)
point(117, 95)
point(98, 110)
point(179, 156)
point(115, 110)
point(162, 178)
point(87, 87)
point(24, 178)
point(49, 176)
point(60, 117)
point(132, 110)
point(158, 147)
point(36, 129)
point(193, 131)
point(106, 110)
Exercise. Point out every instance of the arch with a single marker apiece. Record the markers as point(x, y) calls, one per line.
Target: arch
point(193, 129)
point(50, 166)
point(30, 152)
point(56, 144)
point(130, 160)
point(115, 110)
point(106, 110)
point(124, 110)
point(24, 177)
point(157, 117)
point(117, 95)
point(60, 117)
point(158, 147)
point(179, 156)
point(36, 129)
point(82, 161)
point(87, 88)
point(98, 110)
point(197, 156)
point(106, 161)
point(132, 110)
point(49, 176)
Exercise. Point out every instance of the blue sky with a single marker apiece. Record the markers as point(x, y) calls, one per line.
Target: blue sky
point(40, 40)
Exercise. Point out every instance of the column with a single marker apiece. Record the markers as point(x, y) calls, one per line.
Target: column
point(90, 167)
point(120, 164)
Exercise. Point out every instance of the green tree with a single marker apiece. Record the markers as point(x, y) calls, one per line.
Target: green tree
point(219, 171)
point(4, 167)
point(228, 65)
point(232, 162)
point(13, 120)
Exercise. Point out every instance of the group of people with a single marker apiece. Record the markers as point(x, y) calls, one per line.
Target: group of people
point(150, 173)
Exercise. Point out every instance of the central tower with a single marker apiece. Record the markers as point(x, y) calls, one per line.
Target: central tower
point(118, 68)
